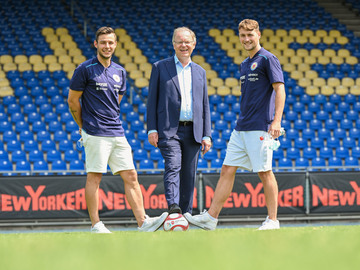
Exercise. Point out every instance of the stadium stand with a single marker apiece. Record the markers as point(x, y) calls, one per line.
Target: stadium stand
point(40, 49)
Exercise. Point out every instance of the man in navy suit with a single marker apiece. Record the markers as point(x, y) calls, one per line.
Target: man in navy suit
point(178, 119)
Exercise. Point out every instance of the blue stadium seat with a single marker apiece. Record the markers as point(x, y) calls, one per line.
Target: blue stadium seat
point(221, 125)
point(60, 135)
point(13, 145)
point(30, 145)
point(301, 162)
point(40, 166)
point(202, 164)
point(140, 154)
point(322, 115)
point(26, 135)
point(300, 124)
point(354, 133)
point(331, 124)
point(335, 161)
point(53, 155)
point(308, 133)
point(146, 164)
point(38, 126)
point(301, 143)
point(332, 142)
point(23, 166)
point(292, 153)
point(309, 153)
point(148, 146)
point(137, 125)
point(58, 165)
point(215, 116)
point(5, 166)
point(346, 123)
point(155, 154)
point(65, 145)
point(219, 143)
point(76, 165)
point(339, 133)
point(341, 152)
point(48, 145)
point(351, 161)
point(216, 163)
point(316, 142)
point(9, 135)
point(43, 135)
point(325, 152)
point(285, 162)
point(315, 124)
point(329, 107)
point(70, 155)
point(211, 154)
point(18, 155)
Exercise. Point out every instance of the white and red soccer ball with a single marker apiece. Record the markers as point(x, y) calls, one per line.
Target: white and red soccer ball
point(175, 222)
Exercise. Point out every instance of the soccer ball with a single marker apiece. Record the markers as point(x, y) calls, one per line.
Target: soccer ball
point(175, 222)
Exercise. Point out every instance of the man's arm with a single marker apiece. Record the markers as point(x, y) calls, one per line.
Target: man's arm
point(75, 106)
point(279, 109)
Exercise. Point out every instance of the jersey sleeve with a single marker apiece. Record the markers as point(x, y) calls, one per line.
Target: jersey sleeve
point(78, 80)
point(123, 79)
point(274, 71)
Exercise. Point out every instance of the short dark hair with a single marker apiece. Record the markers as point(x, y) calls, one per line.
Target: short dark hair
point(105, 30)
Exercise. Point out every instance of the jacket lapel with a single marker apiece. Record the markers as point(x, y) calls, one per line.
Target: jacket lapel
point(171, 68)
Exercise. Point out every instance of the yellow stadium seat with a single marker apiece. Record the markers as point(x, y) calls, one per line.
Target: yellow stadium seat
point(211, 74)
point(220, 39)
point(227, 46)
point(54, 67)
point(355, 90)
point(9, 67)
point(327, 90)
point(141, 82)
point(214, 32)
point(6, 91)
point(55, 44)
point(282, 46)
point(334, 33)
point(216, 82)
point(68, 67)
point(267, 32)
point(211, 91)
point(61, 30)
point(312, 90)
point(301, 39)
point(239, 59)
point(60, 51)
point(351, 60)
point(139, 59)
point(33, 59)
point(289, 52)
point(125, 59)
point(342, 40)
point(135, 52)
point(357, 81)
point(2, 74)
point(321, 33)
point(131, 66)
point(78, 59)
point(231, 82)
point(70, 45)
point(342, 90)
point(343, 53)
point(268, 45)
point(236, 91)
point(24, 67)
point(329, 53)
point(296, 74)
point(281, 32)
point(145, 66)
point(334, 82)
point(63, 59)
point(283, 59)
point(311, 74)
point(233, 52)
point(316, 53)
point(47, 31)
point(51, 38)
point(39, 67)
point(205, 66)
point(239, 47)
point(130, 45)
point(124, 39)
point(296, 60)
point(315, 39)
point(198, 59)
point(19, 59)
point(288, 39)
point(276, 52)
point(147, 74)
point(6, 59)
point(234, 39)
point(120, 32)
point(4, 82)
point(274, 39)
point(69, 74)
point(302, 52)
point(119, 51)
point(288, 67)
point(223, 90)
point(66, 38)
point(310, 60)
point(304, 82)
point(348, 82)
point(135, 74)
point(294, 33)
point(324, 60)
point(303, 67)
point(319, 82)
point(75, 52)
point(307, 33)
point(328, 40)
point(228, 32)
point(337, 60)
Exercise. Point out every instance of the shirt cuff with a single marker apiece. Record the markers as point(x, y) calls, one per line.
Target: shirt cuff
point(206, 138)
point(151, 131)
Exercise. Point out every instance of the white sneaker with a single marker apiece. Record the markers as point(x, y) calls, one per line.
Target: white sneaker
point(203, 221)
point(153, 224)
point(270, 224)
point(99, 228)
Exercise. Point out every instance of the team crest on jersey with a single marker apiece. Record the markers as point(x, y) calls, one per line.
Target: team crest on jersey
point(116, 78)
point(254, 66)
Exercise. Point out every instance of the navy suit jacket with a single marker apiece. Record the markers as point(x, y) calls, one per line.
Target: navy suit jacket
point(164, 100)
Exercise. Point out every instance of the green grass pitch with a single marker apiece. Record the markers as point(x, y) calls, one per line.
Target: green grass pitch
point(290, 248)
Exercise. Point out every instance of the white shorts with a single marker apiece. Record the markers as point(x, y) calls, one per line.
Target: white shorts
point(247, 151)
point(101, 151)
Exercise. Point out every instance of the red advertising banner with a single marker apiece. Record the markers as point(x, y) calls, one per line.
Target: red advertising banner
point(44, 197)
point(247, 196)
point(335, 192)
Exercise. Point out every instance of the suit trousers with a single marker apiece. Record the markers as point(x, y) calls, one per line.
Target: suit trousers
point(181, 154)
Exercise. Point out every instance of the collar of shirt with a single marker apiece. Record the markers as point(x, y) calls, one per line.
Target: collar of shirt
point(185, 83)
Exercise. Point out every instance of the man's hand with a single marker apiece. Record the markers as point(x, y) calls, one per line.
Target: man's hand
point(153, 138)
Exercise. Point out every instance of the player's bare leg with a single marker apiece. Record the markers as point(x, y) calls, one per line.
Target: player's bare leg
point(92, 196)
point(271, 192)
